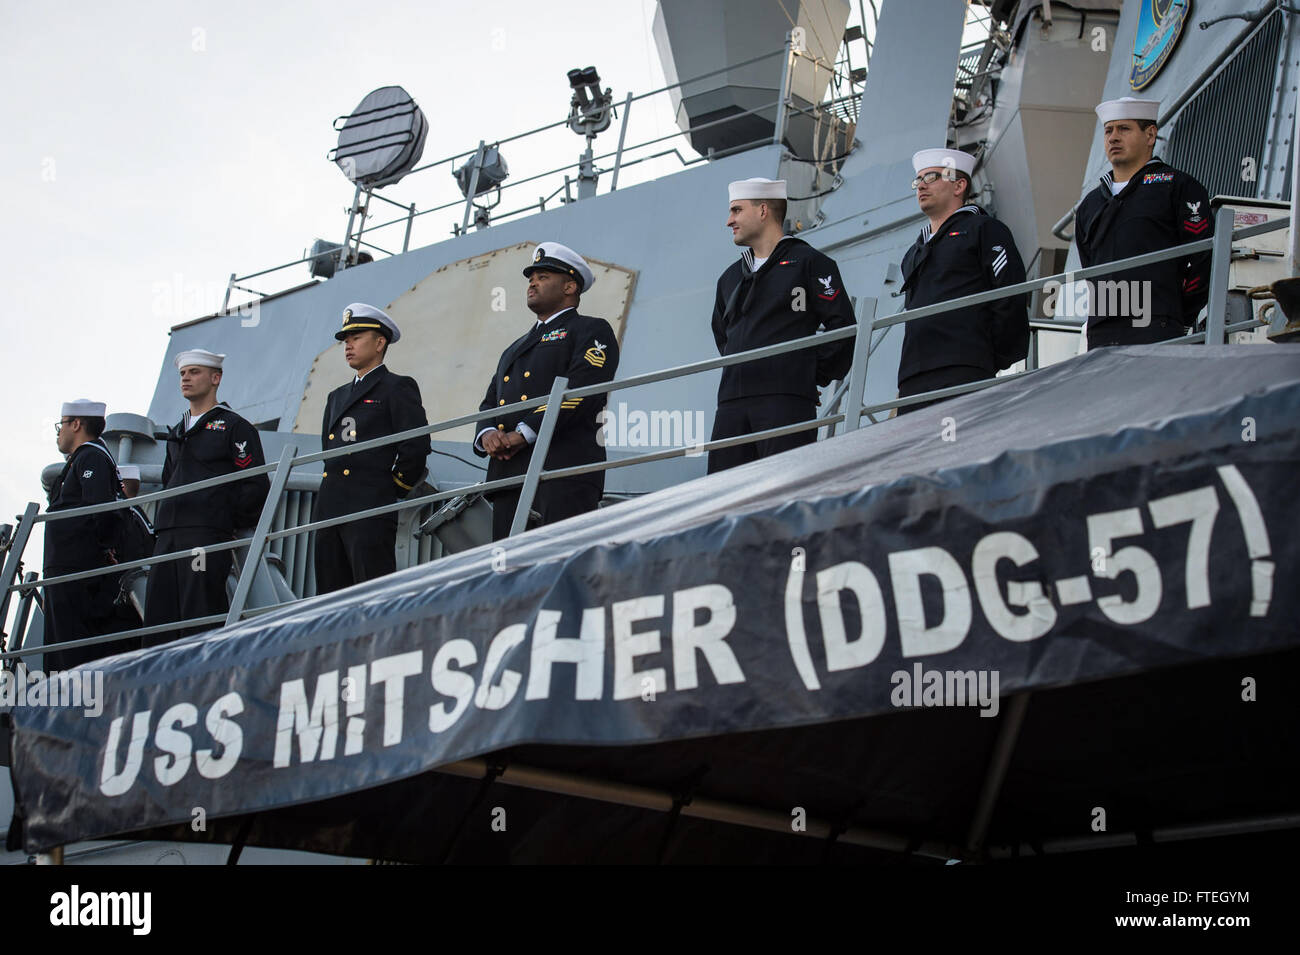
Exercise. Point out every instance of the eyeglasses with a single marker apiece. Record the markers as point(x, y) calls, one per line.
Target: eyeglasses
point(59, 425)
point(933, 176)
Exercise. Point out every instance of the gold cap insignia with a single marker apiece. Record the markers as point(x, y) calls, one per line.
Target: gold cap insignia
point(537, 256)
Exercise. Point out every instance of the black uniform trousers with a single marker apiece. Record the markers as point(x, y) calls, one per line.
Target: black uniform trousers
point(348, 554)
point(188, 586)
point(948, 376)
point(759, 413)
point(80, 609)
point(554, 501)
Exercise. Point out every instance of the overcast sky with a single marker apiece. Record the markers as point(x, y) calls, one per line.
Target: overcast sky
point(151, 149)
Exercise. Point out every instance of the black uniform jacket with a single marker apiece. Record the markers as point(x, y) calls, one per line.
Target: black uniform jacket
point(221, 442)
point(972, 252)
point(382, 403)
point(796, 291)
point(572, 345)
point(1158, 209)
point(82, 543)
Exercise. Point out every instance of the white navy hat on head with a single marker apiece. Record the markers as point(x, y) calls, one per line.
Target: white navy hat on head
point(1126, 107)
point(756, 189)
point(948, 158)
point(360, 317)
point(84, 408)
point(199, 356)
point(554, 257)
point(128, 472)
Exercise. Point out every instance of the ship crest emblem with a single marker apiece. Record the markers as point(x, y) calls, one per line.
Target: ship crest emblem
point(1160, 24)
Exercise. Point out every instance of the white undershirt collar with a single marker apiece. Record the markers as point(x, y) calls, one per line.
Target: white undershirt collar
point(547, 321)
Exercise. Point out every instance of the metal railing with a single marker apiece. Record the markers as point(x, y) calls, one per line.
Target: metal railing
point(850, 394)
point(783, 104)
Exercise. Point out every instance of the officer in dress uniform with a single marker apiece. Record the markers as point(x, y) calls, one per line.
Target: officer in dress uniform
point(209, 441)
point(1142, 205)
point(374, 403)
point(561, 342)
point(961, 251)
point(81, 608)
point(780, 289)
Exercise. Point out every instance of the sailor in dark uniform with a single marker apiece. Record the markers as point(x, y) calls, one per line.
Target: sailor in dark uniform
point(137, 543)
point(780, 289)
point(1142, 205)
point(961, 251)
point(81, 608)
point(561, 343)
point(209, 441)
point(374, 403)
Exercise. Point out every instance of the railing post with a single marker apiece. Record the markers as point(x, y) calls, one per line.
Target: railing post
point(346, 251)
point(1294, 239)
point(24, 611)
point(230, 284)
point(410, 220)
point(782, 106)
point(1219, 262)
point(622, 134)
point(14, 558)
point(538, 460)
point(473, 185)
point(858, 371)
point(254, 557)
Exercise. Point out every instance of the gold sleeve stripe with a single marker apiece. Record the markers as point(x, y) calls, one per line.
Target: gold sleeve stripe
point(566, 403)
point(404, 487)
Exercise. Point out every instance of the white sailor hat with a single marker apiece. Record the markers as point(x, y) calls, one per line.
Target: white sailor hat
point(360, 317)
point(1127, 107)
point(128, 472)
point(554, 257)
point(199, 356)
point(756, 188)
point(83, 408)
point(948, 158)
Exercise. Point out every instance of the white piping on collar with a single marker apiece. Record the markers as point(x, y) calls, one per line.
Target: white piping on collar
point(926, 235)
point(1109, 176)
point(747, 254)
